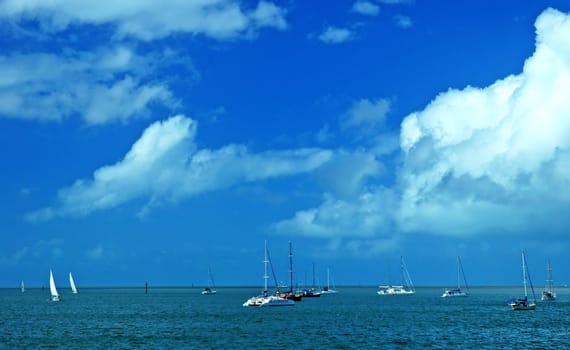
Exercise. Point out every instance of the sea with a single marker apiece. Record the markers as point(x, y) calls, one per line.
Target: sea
point(354, 318)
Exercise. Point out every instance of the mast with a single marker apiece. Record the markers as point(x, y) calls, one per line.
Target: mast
point(290, 267)
point(524, 273)
point(458, 273)
point(549, 277)
point(265, 262)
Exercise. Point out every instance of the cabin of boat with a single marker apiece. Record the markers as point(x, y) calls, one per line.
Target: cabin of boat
point(548, 295)
point(457, 292)
point(208, 291)
point(309, 293)
point(522, 304)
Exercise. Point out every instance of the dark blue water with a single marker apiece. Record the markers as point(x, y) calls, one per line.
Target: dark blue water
point(356, 318)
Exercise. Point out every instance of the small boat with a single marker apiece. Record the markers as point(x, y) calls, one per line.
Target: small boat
point(522, 303)
point(407, 287)
point(328, 289)
point(264, 299)
point(22, 286)
point(52, 289)
point(72, 284)
point(457, 292)
point(548, 294)
point(208, 290)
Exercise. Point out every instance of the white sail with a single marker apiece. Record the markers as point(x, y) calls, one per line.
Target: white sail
point(72, 284)
point(22, 287)
point(52, 289)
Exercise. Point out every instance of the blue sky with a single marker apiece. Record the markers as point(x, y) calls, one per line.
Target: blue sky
point(153, 139)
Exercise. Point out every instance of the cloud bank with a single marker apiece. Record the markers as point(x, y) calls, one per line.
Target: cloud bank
point(103, 86)
point(477, 161)
point(151, 19)
point(166, 165)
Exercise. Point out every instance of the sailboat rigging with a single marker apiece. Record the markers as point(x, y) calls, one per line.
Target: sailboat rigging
point(407, 287)
point(209, 289)
point(328, 289)
point(265, 299)
point(548, 294)
point(522, 303)
point(457, 292)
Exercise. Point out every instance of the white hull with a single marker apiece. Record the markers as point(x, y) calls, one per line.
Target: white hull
point(268, 301)
point(521, 307)
point(393, 292)
point(454, 293)
point(208, 292)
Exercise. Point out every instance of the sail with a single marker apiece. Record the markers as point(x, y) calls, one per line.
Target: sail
point(52, 289)
point(72, 284)
point(22, 287)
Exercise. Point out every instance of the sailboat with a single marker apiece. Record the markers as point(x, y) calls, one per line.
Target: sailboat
point(328, 289)
point(265, 299)
point(310, 292)
point(289, 294)
point(72, 284)
point(407, 287)
point(548, 294)
point(208, 290)
point(523, 303)
point(22, 287)
point(457, 292)
point(52, 289)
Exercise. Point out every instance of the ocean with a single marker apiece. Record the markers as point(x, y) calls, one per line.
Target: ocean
point(355, 318)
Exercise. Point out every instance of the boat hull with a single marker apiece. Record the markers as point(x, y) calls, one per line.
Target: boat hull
point(521, 307)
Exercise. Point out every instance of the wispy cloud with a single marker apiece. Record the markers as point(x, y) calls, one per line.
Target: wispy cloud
point(165, 165)
point(403, 21)
point(153, 19)
point(367, 8)
point(366, 112)
point(335, 35)
point(96, 252)
point(103, 86)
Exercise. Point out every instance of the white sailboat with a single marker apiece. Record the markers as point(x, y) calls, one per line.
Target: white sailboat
point(209, 289)
point(522, 303)
point(548, 294)
point(457, 292)
point(265, 299)
point(72, 284)
point(407, 287)
point(52, 289)
point(328, 289)
point(22, 286)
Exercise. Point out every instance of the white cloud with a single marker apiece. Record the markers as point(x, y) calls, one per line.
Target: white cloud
point(495, 159)
point(368, 216)
point(151, 19)
point(403, 21)
point(367, 8)
point(334, 35)
point(366, 112)
point(478, 161)
point(101, 87)
point(165, 165)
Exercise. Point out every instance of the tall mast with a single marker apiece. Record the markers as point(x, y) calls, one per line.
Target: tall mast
point(458, 274)
point(524, 273)
point(265, 262)
point(291, 267)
